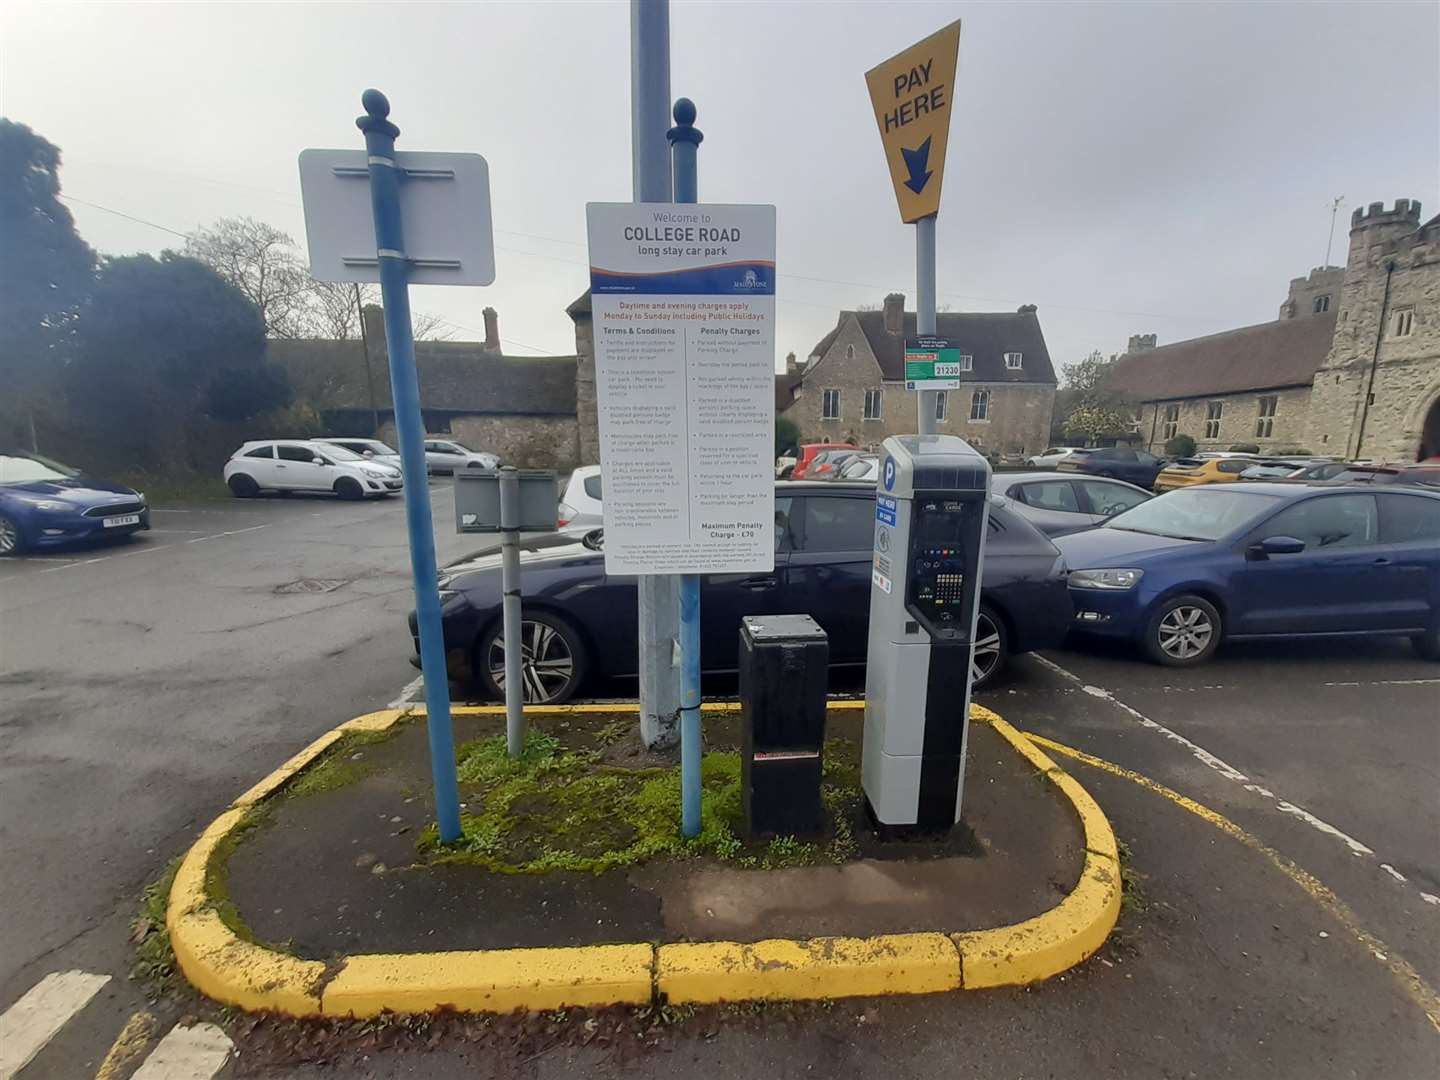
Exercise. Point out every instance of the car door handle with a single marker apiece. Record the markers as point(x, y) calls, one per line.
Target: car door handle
point(280, 466)
point(756, 584)
point(1382, 561)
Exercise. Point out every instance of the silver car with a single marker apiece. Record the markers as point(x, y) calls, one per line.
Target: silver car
point(1057, 503)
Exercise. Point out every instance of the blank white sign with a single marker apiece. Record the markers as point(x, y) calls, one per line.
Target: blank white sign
point(444, 208)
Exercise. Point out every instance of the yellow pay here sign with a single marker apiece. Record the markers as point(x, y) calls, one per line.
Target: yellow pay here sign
point(912, 93)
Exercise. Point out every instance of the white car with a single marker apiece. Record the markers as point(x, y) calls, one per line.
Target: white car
point(580, 507)
point(1053, 456)
point(307, 465)
point(373, 449)
point(446, 455)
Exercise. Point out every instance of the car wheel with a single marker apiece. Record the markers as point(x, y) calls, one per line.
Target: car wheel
point(1426, 644)
point(1184, 631)
point(992, 648)
point(12, 542)
point(552, 659)
point(349, 488)
point(242, 486)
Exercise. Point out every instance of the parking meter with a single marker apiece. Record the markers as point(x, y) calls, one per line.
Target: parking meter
point(931, 508)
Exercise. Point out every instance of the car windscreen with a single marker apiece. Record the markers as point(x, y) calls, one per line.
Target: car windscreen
point(28, 468)
point(1194, 514)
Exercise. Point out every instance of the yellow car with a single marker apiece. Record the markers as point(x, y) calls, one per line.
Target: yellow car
point(1190, 472)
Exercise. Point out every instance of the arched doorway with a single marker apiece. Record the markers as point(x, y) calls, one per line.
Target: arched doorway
point(1430, 433)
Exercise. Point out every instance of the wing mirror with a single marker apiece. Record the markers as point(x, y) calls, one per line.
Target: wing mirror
point(318, 461)
point(1276, 545)
point(369, 453)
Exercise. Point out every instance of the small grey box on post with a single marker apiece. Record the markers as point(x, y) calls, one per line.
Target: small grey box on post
point(477, 501)
point(784, 671)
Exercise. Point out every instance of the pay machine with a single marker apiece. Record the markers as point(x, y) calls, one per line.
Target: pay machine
point(931, 508)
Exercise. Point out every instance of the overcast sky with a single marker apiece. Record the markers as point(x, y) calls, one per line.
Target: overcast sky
point(1129, 167)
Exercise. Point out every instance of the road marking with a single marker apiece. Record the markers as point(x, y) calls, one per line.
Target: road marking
point(410, 688)
point(1221, 766)
point(193, 1053)
point(71, 565)
point(128, 1045)
point(1416, 987)
point(232, 532)
point(32, 1021)
point(1388, 682)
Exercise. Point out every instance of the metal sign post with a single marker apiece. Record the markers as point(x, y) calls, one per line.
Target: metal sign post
point(912, 94)
point(510, 608)
point(441, 202)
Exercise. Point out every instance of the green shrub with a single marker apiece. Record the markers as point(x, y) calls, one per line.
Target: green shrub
point(1245, 448)
point(1180, 446)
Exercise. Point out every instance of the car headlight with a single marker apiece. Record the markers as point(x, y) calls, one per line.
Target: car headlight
point(1105, 579)
point(50, 506)
point(446, 595)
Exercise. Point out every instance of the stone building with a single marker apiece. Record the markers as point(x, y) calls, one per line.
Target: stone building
point(853, 385)
point(522, 408)
point(1351, 367)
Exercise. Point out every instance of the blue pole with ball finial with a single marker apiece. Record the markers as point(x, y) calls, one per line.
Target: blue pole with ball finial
point(410, 431)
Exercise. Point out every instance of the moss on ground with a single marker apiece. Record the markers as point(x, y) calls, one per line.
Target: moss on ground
point(553, 808)
point(342, 764)
point(154, 963)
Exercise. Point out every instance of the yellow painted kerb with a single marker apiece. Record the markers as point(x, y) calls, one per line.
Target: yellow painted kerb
point(240, 973)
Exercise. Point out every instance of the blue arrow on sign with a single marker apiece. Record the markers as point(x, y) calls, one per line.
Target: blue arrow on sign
point(915, 161)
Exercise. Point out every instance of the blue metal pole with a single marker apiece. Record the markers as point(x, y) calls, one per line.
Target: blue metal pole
point(405, 392)
point(684, 144)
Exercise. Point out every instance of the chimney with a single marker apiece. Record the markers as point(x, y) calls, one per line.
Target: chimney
point(895, 313)
point(492, 330)
point(374, 318)
point(1140, 343)
point(792, 366)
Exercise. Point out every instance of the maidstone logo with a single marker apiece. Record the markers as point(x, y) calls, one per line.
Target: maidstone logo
point(912, 95)
point(750, 280)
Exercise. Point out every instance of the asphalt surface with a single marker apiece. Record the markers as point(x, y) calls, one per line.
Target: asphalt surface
point(140, 693)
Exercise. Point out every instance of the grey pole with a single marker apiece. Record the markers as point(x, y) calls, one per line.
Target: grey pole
point(510, 609)
point(925, 311)
point(658, 596)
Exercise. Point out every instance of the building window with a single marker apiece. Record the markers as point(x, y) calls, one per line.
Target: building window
point(1265, 422)
point(980, 405)
point(830, 405)
point(849, 352)
point(1012, 361)
point(1404, 322)
point(1321, 304)
point(941, 404)
point(1135, 420)
point(1172, 422)
point(967, 363)
point(872, 405)
point(1213, 412)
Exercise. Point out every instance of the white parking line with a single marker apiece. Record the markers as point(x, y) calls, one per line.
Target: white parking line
point(72, 565)
point(193, 1053)
point(404, 697)
point(1224, 768)
point(32, 1021)
point(232, 532)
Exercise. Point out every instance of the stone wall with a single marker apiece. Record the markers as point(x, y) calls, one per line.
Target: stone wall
point(1406, 369)
point(1239, 413)
point(1019, 413)
point(587, 413)
point(527, 442)
point(1322, 281)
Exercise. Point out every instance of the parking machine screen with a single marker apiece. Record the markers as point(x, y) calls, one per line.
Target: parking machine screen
point(944, 536)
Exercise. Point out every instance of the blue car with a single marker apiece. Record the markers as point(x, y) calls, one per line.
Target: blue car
point(46, 504)
point(1182, 572)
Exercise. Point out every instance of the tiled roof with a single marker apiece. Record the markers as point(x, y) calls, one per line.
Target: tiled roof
point(986, 336)
point(1283, 353)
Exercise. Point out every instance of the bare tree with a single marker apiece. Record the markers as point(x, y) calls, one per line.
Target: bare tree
point(335, 313)
point(264, 264)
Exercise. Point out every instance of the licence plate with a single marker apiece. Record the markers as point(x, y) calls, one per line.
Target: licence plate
point(123, 519)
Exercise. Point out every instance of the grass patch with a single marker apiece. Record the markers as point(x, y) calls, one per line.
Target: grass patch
point(175, 488)
point(154, 959)
point(341, 764)
point(217, 876)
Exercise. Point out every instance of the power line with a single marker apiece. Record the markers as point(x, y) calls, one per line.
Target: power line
point(127, 217)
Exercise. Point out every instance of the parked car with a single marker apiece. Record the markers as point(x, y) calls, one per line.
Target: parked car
point(581, 507)
point(307, 465)
point(861, 467)
point(1137, 467)
point(784, 466)
point(580, 623)
point(1366, 473)
point(1053, 456)
point(1179, 574)
point(1328, 470)
point(808, 452)
point(1057, 503)
point(827, 463)
point(1191, 472)
point(1288, 468)
point(46, 504)
point(373, 449)
point(446, 455)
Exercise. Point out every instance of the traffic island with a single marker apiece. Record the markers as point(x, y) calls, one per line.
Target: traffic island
point(325, 889)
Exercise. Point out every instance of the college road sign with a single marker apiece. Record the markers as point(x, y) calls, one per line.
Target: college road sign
point(912, 93)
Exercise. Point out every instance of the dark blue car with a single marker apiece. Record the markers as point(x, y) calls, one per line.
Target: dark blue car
point(46, 504)
point(1180, 573)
